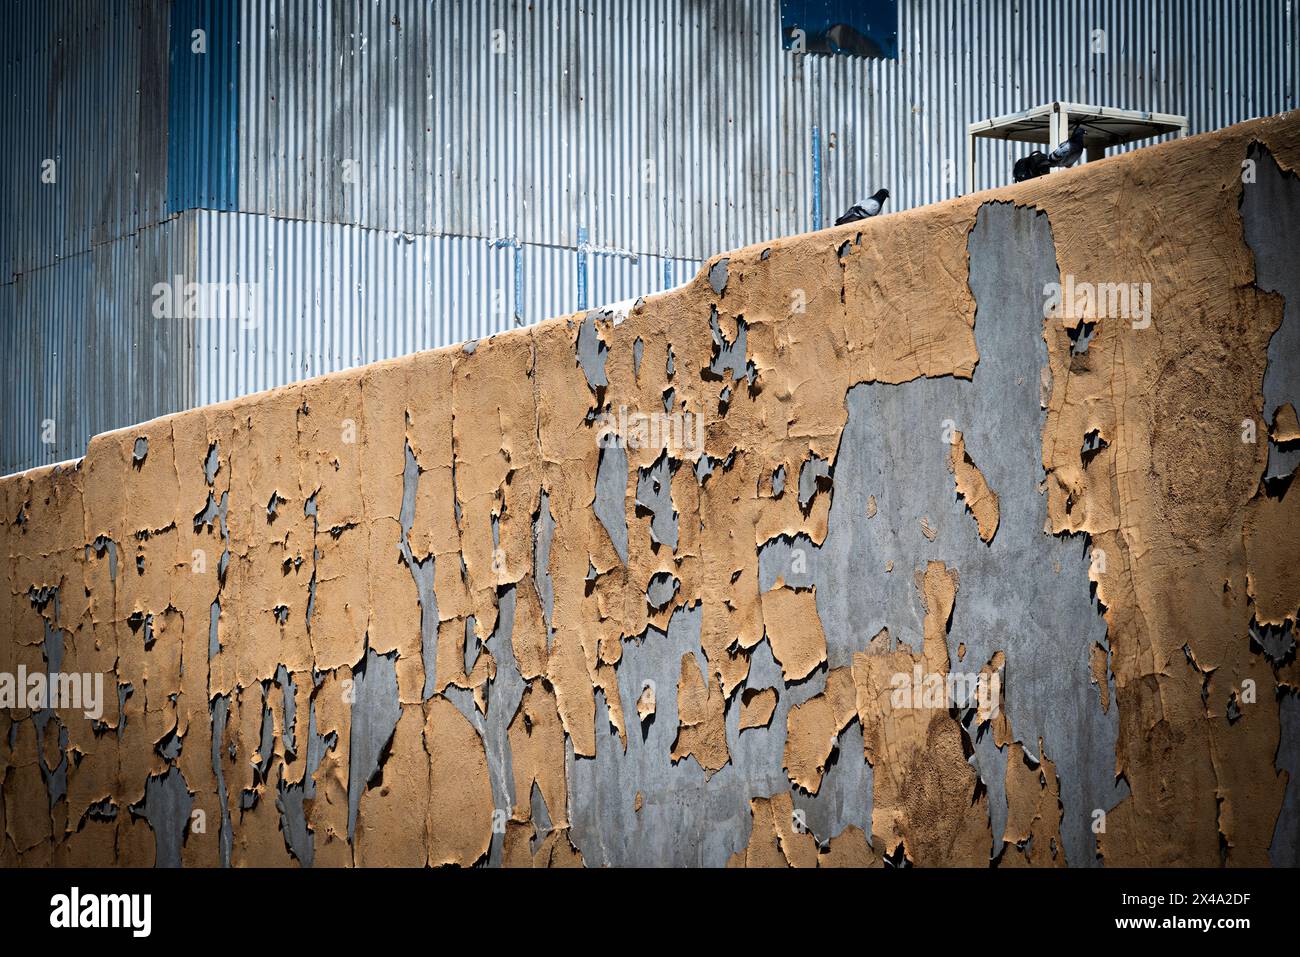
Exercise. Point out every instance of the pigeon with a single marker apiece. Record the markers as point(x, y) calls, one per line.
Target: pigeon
point(1031, 167)
point(1068, 153)
point(865, 210)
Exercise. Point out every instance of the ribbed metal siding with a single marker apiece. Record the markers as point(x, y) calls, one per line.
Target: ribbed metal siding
point(553, 135)
point(550, 137)
point(83, 350)
point(203, 106)
point(85, 84)
point(499, 167)
point(330, 296)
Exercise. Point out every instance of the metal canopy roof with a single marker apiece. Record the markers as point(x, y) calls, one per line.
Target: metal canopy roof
point(1103, 125)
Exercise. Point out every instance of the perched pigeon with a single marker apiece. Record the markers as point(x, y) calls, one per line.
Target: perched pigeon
point(865, 210)
point(1068, 153)
point(1031, 167)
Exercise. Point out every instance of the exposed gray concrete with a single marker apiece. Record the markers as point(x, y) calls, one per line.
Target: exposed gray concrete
point(718, 276)
point(543, 532)
point(814, 474)
point(654, 494)
point(471, 645)
point(731, 356)
point(610, 503)
point(592, 353)
point(214, 637)
point(212, 464)
point(124, 690)
point(540, 815)
point(1270, 215)
point(214, 515)
point(421, 573)
point(284, 681)
point(170, 747)
point(1012, 598)
point(663, 587)
point(1285, 849)
point(166, 806)
point(1274, 642)
point(310, 510)
point(220, 712)
point(103, 545)
point(375, 710)
point(503, 694)
point(687, 818)
point(104, 810)
point(46, 719)
point(266, 744)
point(298, 837)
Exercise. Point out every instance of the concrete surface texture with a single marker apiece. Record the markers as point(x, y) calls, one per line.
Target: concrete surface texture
point(961, 536)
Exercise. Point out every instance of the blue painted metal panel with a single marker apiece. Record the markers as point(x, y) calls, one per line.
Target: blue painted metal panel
point(203, 106)
point(851, 27)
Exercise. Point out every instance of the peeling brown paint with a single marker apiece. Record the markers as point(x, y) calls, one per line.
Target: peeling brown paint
point(757, 706)
point(971, 486)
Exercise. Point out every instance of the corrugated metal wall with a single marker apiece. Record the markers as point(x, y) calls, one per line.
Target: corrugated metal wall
point(409, 174)
point(92, 355)
point(85, 86)
point(83, 351)
point(678, 128)
point(326, 296)
point(203, 105)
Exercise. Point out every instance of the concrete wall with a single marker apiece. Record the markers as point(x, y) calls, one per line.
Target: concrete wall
point(952, 572)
